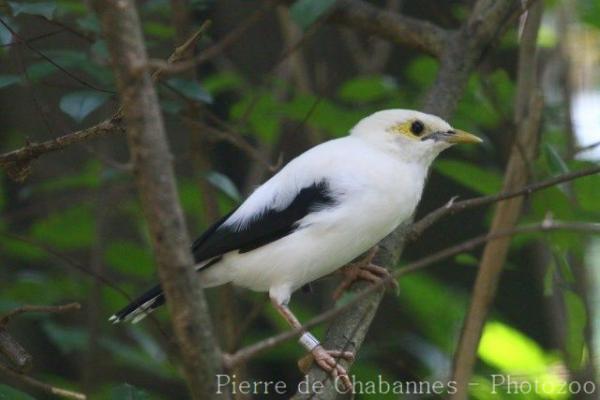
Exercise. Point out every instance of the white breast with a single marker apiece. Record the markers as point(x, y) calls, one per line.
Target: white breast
point(375, 192)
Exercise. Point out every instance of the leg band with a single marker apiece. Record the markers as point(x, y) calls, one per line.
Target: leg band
point(308, 341)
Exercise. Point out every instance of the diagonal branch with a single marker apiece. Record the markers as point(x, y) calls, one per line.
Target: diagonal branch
point(247, 353)
point(38, 309)
point(17, 163)
point(453, 207)
point(395, 27)
point(44, 387)
point(21, 360)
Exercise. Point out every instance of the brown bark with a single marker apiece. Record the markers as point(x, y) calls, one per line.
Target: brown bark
point(528, 110)
point(156, 183)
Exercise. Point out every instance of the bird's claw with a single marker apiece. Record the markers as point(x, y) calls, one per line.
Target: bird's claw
point(369, 272)
point(327, 360)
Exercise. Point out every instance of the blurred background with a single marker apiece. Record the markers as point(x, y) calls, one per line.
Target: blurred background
point(73, 230)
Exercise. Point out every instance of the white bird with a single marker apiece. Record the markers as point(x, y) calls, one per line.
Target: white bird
point(321, 211)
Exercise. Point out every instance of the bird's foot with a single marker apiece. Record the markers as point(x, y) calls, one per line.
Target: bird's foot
point(363, 271)
point(328, 360)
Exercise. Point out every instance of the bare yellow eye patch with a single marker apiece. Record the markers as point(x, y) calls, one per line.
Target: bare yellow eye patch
point(414, 129)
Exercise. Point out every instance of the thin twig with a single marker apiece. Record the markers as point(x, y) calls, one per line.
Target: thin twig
point(234, 139)
point(52, 62)
point(75, 264)
point(243, 355)
point(34, 383)
point(215, 50)
point(33, 39)
point(17, 163)
point(453, 207)
point(38, 309)
point(587, 147)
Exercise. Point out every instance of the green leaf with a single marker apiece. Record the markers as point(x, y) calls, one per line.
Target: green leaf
point(190, 89)
point(129, 258)
point(126, 391)
point(466, 259)
point(8, 80)
point(158, 30)
point(221, 82)
point(556, 165)
point(79, 105)
point(587, 190)
point(8, 393)
point(367, 88)
point(69, 229)
point(422, 71)
point(265, 116)
point(44, 8)
point(576, 323)
point(549, 278)
point(306, 12)
point(509, 350)
point(68, 339)
point(589, 11)
point(436, 316)
point(223, 183)
point(64, 58)
point(470, 175)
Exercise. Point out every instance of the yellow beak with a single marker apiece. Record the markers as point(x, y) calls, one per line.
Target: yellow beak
point(463, 137)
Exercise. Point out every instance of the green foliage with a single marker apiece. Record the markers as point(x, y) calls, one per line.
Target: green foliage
point(576, 323)
point(469, 175)
point(72, 228)
point(587, 192)
point(261, 111)
point(307, 12)
point(129, 258)
point(367, 89)
point(555, 163)
point(126, 391)
point(221, 82)
point(158, 30)
point(224, 184)
point(421, 71)
point(9, 80)
point(45, 9)
point(466, 259)
point(513, 353)
point(437, 316)
point(589, 12)
point(79, 105)
point(191, 89)
point(8, 393)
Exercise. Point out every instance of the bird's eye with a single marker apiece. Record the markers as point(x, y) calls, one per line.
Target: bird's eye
point(417, 127)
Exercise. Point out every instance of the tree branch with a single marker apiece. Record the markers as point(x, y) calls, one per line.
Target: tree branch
point(158, 192)
point(35, 384)
point(528, 114)
point(397, 28)
point(21, 360)
point(453, 207)
point(247, 353)
point(17, 163)
point(38, 309)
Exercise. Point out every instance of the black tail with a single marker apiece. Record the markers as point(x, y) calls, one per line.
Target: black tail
point(140, 307)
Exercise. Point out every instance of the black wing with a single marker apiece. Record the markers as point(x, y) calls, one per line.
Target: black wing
point(219, 239)
point(269, 226)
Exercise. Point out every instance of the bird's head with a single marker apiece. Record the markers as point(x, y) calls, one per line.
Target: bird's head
point(412, 135)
